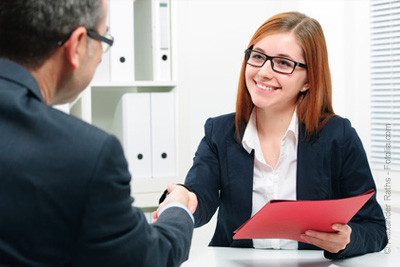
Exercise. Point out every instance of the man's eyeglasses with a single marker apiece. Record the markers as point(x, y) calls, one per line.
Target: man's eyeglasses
point(278, 64)
point(106, 40)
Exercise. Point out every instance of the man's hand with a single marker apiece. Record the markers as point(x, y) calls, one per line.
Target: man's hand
point(177, 193)
point(332, 242)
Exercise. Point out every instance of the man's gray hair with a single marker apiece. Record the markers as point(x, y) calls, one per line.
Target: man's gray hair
point(30, 29)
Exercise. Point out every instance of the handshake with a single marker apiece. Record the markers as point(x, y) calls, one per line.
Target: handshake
point(179, 194)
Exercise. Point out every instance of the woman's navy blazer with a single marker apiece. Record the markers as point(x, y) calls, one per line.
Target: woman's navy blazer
point(331, 165)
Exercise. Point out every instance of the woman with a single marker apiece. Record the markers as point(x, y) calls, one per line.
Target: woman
point(285, 142)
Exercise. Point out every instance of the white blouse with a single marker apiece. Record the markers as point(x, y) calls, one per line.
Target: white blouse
point(273, 183)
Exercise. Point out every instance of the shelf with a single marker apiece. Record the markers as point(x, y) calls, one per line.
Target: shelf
point(148, 61)
point(144, 185)
point(151, 84)
point(147, 191)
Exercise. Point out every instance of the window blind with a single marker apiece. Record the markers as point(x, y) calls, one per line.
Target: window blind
point(385, 84)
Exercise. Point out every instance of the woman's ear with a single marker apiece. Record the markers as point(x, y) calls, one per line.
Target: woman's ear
point(75, 47)
point(305, 88)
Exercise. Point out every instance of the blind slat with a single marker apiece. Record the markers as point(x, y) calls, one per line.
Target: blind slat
point(385, 83)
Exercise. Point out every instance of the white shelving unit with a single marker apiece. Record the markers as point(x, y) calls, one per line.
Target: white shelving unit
point(97, 104)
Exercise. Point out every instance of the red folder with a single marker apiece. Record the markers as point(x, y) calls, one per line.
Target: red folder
point(288, 219)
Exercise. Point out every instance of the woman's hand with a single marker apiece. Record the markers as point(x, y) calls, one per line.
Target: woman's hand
point(177, 193)
point(332, 242)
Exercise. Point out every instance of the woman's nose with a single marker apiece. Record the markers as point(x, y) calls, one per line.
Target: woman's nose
point(266, 70)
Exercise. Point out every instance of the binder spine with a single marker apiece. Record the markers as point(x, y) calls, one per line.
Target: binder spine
point(122, 59)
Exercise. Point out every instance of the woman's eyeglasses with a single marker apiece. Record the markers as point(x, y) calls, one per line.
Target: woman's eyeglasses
point(278, 64)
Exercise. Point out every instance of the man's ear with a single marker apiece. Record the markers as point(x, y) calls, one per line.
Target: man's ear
point(75, 47)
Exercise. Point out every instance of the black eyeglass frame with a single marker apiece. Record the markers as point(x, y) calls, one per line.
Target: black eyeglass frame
point(92, 34)
point(270, 58)
point(96, 36)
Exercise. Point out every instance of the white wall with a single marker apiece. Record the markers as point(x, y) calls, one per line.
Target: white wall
point(209, 37)
point(208, 43)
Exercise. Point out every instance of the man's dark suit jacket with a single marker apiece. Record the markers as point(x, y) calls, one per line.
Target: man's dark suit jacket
point(330, 166)
point(65, 193)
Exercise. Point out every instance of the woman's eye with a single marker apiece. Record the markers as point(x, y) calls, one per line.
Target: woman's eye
point(285, 63)
point(258, 57)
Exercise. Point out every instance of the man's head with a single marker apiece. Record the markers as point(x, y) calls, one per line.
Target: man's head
point(59, 42)
point(30, 29)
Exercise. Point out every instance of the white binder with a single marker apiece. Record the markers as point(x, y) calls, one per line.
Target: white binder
point(122, 62)
point(152, 45)
point(132, 126)
point(163, 134)
point(162, 61)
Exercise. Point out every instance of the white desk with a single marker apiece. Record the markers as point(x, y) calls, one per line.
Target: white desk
point(248, 257)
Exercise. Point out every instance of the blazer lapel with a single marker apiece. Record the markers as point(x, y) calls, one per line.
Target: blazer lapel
point(311, 168)
point(240, 178)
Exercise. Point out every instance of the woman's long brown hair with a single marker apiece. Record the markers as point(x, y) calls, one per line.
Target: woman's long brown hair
point(314, 107)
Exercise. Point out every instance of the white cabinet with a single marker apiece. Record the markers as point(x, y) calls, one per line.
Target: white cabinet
point(141, 30)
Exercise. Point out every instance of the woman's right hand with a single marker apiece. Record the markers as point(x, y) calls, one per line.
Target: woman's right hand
point(180, 194)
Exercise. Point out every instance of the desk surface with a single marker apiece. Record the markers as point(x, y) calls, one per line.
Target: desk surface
point(248, 257)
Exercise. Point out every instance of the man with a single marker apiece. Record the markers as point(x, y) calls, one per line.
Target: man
point(64, 184)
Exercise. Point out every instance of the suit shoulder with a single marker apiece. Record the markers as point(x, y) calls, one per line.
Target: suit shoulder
point(338, 127)
point(338, 121)
point(222, 125)
point(78, 132)
point(337, 124)
point(84, 127)
point(222, 120)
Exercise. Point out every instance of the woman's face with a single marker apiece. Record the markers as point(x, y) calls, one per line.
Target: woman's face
point(270, 90)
